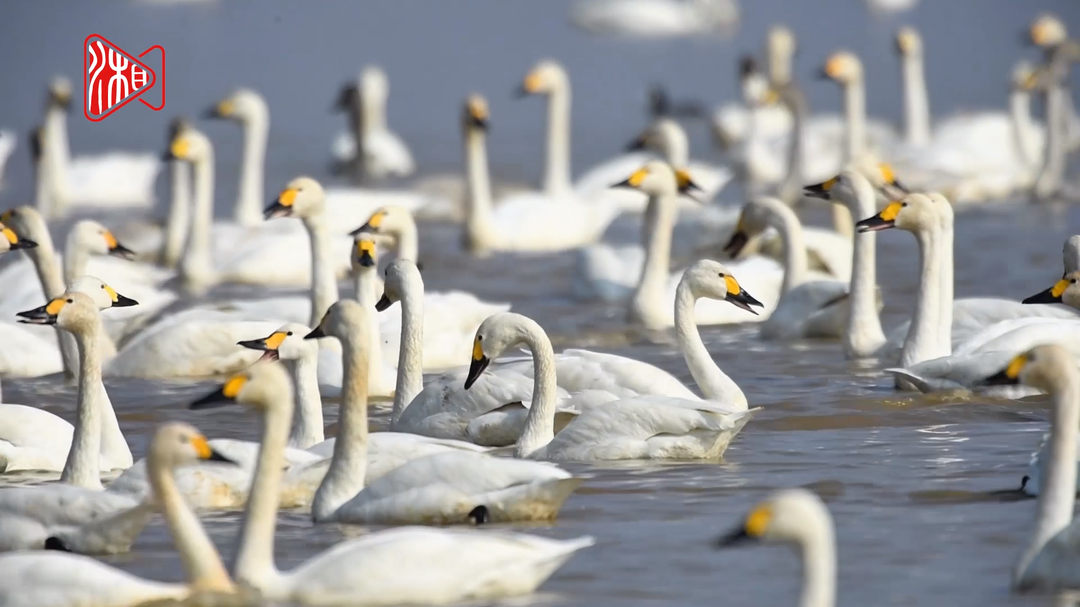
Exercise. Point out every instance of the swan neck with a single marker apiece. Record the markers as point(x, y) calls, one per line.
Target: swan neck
point(648, 302)
point(1048, 183)
point(795, 261)
point(348, 467)
point(540, 423)
point(410, 364)
point(557, 170)
point(791, 190)
point(372, 112)
point(714, 383)
point(855, 109)
point(198, 555)
point(1024, 131)
point(863, 335)
point(250, 199)
point(324, 291)
point(75, 257)
point(83, 461)
point(916, 101)
point(819, 566)
point(308, 427)
point(479, 225)
point(408, 241)
point(176, 225)
point(195, 270)
point(254, 563)
point(945, 308)
point(922, 333)
point(55, 130)
point(51, 277)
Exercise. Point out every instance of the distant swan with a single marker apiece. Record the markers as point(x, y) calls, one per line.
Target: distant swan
point(655, 18)
point(380, 153)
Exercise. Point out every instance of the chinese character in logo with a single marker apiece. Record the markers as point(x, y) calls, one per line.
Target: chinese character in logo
point(112, 77)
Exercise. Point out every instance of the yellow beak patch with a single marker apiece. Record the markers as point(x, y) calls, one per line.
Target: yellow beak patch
point(110, 240)
point(202, 447)
point(771, 96)
point(287, 198)
point(54, 306)
point(11, 236)
point(1059, 288)
point(112, 293)
point(275, 340)
point(532, 83)
point(1016, 366)
point(733, 287)
point(887, 173)
point(757, 522)
point(225, 108)
point(890, 212)
point(833, 67)
point(638, 177)
point(478, 109)
point(477, 351)
point(377, 219)
point(234, 385)
point(180, 148)
point(365, 246)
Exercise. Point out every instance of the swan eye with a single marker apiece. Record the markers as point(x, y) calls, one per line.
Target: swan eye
point(479, 338)
point(721, 274)
point(71, 301)
point(289, 333)
point(1073, 281)
point(903, 204)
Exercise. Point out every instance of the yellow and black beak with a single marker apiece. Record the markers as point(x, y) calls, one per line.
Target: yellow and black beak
point(634, 180)
point(751, 529)
point(736, 243)
point(882, 221)
point(116, 249)
point(1009, 375)
point(365, 253)
point(207, 453)
point(44, 315)
point(687, 185)
point(118, 300)
point(268, 345)
point(738, 296)
point(478, 365)
point(223, 109)
point(225, 395)
point(282, 206)
point(14, 242)
point(316, 333)
point(1051, 295)
point(372, 226)
point(821, 190)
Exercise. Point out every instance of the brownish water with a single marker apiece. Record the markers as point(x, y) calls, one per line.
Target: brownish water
point(914, 482)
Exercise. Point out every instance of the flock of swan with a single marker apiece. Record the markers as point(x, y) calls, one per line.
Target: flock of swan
point(477, 433)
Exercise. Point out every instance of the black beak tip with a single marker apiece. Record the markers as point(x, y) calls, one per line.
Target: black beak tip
point(37, 316)
point(383, 303)
point(480, 515)
point(211, 113)
point(636, 145)
point(732, 538)
point(216, 456)
point(999, 379)
point(124, 302)
point(24, 243)
point(735, 244)
point(1043, 297)
point(476, 369)
point(520, 92)
point(367, 228)
point(316, 333)
point(625, 183)
point(122, 252)
point(276, 209)
point(253, 344)
point(213, 400)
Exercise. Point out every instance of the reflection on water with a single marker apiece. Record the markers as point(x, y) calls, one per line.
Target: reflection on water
point(923, 489)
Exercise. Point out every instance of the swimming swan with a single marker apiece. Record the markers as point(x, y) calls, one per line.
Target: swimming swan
point(380, 153)
point(408, 565)
point(796, 517)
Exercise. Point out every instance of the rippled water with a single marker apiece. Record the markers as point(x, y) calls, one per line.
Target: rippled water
point(915, 483)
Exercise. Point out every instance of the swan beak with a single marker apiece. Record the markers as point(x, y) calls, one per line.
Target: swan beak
point(521, 92)
point(640, 143)
point(1049, 296)
point(687, 185)
point(476, 369)
point(820, 190)
point(882, 221)
point(116, 249)
point(219, 110)
point(383, 303)
point(732, 538)
point(225, 395)
point(365, 253)
point(123, 302)
point(345, 97)
point(752, 529)
point(207, 453)
point(738, 296)
point(14, 242)
point(268, 345)
point(282, 206)
point(316, 333)
point(635, 179)
point(736, 243)
point(1009, 375)
point(823, 74)
point(372, 225)
point(43, 315)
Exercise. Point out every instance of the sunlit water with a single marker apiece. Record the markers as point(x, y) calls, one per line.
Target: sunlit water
point(918, 485)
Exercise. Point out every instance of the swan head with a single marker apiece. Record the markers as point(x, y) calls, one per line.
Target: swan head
point(390, 220)
point(788, 516)
point(73, 312)
point(402, 276)
point(662, 136)
point(59, 93)
point(95, 238)
point(242, 105)
point(843, 67)
point(476, 114)
point(1041, 368)
point(710, 279)
point(178, 444)
point(658, 178)
point(364, 254)
point(302, 197)
point(1047, 31)
point(260, 386)
point(914, 213)
point(104, 296)
point(12, 242)
point(1066, 291)
point(373, 82)
point(544, 78)
point(497, 334)
point(344, 320)
point(26, 222)
point(753, 220)
point(190, 145)
point(877, 175)
point(286, 343)
point(908, 42)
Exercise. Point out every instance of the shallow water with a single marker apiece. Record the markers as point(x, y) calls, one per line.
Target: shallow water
point(918, 486)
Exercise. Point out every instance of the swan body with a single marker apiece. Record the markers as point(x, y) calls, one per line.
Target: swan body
point(655, 18)
point(381, 152)
point(8, 142)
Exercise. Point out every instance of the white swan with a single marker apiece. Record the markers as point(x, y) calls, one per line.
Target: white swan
point(1049, 33)
point(1049, 561)
point(55, 579)
point(34, 439)
point(797, 517)
point(655, 18)
point(8, 142)
point(452, 316)
point(113, 179)
point(410, 565)
point(552, 220)
point(643, 427)
point(381, 152)
point(76, 511)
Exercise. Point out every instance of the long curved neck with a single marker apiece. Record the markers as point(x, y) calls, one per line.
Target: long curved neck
point(863, 335)
point(366, 285)
point(540, 424)
point(787, 224)
point(252, 166)
point(348, 467)
point(1025, 133)
point(410, 370)
point(176, 225)
point(308, 429)
point(408, 242)
point(324, 291)
point(921, 339)
point(945, 308)
point(254, 562)
point(48, 270)
point(916, 101)
point(648, 302)
point(195, 270)
point(55, 130)
point(83, 462)
point(480, 232)
point(75, 258)
point(714, 383)
point(198, 555)
point(1058, 492)
point(372, 112)
point(1050, 177)
point(43, 184)
point(557, 170)
point(791, 189)
point(677, 148)
point(855, 111)
point(819, 566)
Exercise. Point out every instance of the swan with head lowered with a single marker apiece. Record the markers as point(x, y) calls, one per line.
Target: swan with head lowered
point(76, 513)
point(369, 148)
point(408, 565)
point(36, 578)
point(552, 220)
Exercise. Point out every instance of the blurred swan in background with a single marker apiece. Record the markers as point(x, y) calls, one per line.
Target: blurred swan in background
point(381, 152)
point(8, 142)
point(655, 18)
